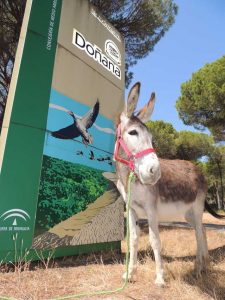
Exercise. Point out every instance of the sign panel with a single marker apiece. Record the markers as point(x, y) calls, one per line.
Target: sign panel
point(59, 135)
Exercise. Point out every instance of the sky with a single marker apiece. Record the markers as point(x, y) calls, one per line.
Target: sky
point(197, 37)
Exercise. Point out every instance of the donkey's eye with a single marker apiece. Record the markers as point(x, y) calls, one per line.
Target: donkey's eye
point(133, 132)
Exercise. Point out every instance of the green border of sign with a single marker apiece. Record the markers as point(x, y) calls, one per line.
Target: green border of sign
point(20, 173)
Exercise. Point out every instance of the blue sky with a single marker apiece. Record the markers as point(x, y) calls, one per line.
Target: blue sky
point(196, 38)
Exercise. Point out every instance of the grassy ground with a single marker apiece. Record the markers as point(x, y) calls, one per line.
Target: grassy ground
point(72, 275)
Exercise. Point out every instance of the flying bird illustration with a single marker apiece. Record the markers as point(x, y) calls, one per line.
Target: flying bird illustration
point(100, 159)
point(91, 155)
point(107, 158)
point(79, 152)
point(79, 127)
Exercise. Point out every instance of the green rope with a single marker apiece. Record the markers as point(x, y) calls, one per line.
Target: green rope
point(120, 289)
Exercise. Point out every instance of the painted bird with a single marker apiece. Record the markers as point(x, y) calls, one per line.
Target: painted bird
point(79, 152)
point(91, 155)
point(79, 126)
point(100, 159)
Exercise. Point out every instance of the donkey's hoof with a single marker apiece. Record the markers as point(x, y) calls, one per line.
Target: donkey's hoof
point(160, 282)
point(201, 269)
point(131, 277)
point(200, 272)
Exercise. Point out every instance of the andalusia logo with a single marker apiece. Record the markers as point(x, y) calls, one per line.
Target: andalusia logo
point(14, 215)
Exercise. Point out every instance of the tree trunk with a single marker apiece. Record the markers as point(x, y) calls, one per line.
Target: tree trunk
point(221, 182)
point(218, 199)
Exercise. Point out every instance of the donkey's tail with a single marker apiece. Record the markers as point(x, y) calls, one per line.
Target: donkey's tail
point(212, 212)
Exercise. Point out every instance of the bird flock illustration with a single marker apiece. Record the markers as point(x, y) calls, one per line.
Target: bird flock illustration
point(91, 156)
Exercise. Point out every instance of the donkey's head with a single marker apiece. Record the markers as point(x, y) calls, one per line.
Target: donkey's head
point(137, 138)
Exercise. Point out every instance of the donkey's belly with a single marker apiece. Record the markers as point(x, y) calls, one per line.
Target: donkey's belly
point(172, 211)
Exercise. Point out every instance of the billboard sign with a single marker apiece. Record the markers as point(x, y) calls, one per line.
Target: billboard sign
point(58, 133)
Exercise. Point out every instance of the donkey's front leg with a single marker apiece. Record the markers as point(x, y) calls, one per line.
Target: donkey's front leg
point(156, 247)
point(134, 236)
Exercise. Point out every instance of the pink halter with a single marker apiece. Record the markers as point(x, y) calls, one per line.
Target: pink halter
point(131, 157)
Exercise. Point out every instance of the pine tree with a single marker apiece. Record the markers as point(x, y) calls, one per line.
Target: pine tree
point(141, 22)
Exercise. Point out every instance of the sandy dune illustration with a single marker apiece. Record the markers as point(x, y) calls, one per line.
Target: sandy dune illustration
point(102, 221)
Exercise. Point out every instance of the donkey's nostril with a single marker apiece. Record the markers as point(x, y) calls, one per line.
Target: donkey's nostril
point(151, 170)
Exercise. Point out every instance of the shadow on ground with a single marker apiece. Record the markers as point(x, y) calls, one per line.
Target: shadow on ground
point(208, 283)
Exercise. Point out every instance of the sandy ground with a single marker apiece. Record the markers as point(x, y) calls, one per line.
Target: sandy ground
point(96, 272)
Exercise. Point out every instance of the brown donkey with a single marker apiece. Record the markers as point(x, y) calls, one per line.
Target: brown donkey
point(164, 190)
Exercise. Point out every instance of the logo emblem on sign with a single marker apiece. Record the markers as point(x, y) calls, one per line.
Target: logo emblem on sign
point(15, 214)
point(113, 52)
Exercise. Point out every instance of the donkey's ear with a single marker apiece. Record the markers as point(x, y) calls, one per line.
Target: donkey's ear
point(145, 113)
point(132, 99)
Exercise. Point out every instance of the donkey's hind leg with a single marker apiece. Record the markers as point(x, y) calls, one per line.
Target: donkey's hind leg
point(194, 218)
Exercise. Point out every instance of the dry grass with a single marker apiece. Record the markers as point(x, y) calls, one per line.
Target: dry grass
point(73, 275)
point(207, 218)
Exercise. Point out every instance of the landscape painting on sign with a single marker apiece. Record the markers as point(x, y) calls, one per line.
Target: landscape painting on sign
point(73, 190)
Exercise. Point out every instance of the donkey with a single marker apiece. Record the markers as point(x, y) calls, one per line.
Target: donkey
point(164, 190)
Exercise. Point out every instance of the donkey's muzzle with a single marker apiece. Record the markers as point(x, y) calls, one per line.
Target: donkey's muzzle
point(155, 174)
point(149, 173)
